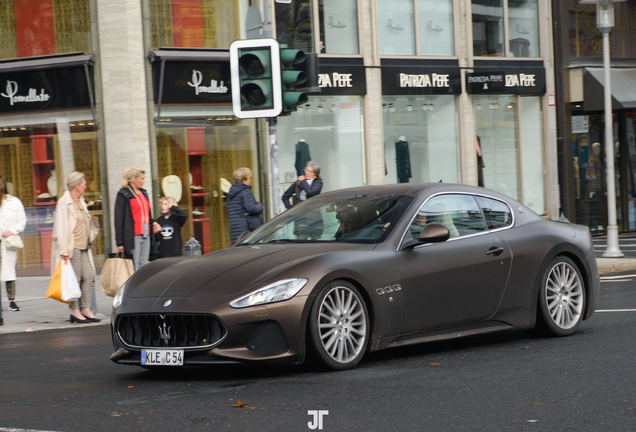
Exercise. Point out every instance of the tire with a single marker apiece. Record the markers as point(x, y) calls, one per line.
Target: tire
point(338, 327)
point(561, 299)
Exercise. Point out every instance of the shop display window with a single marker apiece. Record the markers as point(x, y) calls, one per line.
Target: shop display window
point(196, 160)
point(295, 25)
point(338, 26)
point(510, 136)
point(420, 139)
point(35, 160)
point(327, 130)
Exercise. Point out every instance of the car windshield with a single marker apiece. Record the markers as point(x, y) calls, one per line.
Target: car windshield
point(346, 218)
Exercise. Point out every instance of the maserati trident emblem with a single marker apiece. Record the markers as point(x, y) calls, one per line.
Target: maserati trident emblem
point(168, 303)
point(164, 333)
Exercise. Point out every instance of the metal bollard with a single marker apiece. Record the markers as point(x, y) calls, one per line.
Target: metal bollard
point(192, 247)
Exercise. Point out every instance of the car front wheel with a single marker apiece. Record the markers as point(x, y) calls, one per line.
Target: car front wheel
point(561, 298)
point(338, 326)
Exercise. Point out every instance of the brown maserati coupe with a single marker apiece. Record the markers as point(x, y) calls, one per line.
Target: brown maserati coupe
point(358, 270)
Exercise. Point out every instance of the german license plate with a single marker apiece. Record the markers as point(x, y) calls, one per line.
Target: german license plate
point(162, 357)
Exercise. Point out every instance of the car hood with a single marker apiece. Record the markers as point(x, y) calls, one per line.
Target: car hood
point(229, 271)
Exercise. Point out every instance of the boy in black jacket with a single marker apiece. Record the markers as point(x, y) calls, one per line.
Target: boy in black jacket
point(170, 222)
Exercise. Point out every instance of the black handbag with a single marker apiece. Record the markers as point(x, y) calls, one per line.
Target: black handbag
point(253, 222)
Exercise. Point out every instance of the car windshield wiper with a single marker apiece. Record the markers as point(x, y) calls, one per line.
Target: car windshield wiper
point(291, 241)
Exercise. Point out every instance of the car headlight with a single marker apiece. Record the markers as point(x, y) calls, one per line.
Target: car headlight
point(119, 296)
point(276, 292)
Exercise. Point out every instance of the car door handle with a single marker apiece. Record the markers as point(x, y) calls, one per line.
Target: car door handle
point(496, 251)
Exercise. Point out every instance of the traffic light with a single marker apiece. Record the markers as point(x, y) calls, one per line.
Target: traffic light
point(291, 60)
point(256, 78)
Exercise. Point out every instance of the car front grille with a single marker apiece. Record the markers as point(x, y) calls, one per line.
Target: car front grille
point(163, 331)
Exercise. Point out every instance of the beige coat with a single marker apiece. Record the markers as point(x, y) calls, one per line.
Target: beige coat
point(63, 226)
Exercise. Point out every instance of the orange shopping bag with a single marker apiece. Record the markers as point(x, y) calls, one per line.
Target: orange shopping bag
point(55, 286)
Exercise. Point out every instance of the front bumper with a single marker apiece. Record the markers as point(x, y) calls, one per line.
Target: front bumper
point(274, 333)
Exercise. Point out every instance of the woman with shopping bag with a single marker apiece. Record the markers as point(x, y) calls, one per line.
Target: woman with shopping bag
point(12, 223)
point(74, 229)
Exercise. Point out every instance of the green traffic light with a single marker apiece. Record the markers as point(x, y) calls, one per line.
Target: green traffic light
point(289, 57)
point(293, 99)
point(255, 63)
point(294, 78)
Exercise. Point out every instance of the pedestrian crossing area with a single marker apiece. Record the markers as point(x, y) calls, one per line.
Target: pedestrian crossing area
point(627, 245)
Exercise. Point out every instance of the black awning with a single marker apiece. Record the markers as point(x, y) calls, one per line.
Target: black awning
point(55, 61)
point(190, 54)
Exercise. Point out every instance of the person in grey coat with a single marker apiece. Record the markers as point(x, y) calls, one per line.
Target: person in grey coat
point(240, 201)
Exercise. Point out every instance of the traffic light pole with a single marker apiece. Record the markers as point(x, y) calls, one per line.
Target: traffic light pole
point(271, 125)
point(273, 161)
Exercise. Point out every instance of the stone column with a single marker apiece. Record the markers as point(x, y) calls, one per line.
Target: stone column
point(373, 119)
point(124, 100)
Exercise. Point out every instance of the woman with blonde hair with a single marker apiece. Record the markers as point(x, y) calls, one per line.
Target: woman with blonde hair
point(241, 202)
point(74, 229)
point(12, 222)
point(133, 218)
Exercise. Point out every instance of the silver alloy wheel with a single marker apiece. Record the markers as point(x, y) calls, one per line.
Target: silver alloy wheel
point(342, 324)
point(564, 295)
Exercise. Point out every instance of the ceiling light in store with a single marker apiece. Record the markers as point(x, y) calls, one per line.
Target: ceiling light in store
point(13, 129)
point(478, 107)
point(82, 124)
point(5, 129)
point(22, 128)
point(319, 108)
point(509, 106)
point(73, 124)
point(91, 124)
point(409, 107)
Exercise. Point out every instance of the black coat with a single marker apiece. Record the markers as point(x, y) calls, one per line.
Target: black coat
point(240, 201)
point(124, 223)
point(169, 238)
point(311, 190)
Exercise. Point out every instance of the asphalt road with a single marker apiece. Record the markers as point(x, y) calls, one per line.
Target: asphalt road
point(62, 380)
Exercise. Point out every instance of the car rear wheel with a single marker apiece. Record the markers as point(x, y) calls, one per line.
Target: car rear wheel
point(338, 327)
point(561, 298)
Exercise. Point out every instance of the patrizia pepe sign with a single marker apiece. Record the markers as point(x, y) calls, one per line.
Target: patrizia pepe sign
point(409, 79)
point(31, 96)
point(531, 81)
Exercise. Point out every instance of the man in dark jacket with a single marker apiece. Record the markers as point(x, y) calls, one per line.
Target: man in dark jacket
point(306, 186)
point(240, 201)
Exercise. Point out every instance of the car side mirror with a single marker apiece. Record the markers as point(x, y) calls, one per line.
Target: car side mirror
point(434, 233)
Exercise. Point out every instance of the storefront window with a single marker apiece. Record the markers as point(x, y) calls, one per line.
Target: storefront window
point(31, 28)
point(294, 25)
point(328, 130)
point(496, 118)
point(338, 26)
point(436, 27)
point(588, 138)
point(197, 23)
point(523, 30)
point(421, 139)
point(522, 21)
point(532, 158)
point(488, 31)
point(196, 158)
point(630, 131)
point(396, 27)
point(35, 160)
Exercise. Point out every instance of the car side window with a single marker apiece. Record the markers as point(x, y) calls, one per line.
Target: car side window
point(457, 212)
point(497, 213)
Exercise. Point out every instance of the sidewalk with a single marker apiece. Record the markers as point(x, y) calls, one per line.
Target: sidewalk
point(38, 312)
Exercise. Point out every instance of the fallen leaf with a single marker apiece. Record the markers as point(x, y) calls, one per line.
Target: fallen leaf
point(239, 404)
point(130, 386)
point(434, 364)
point(534, 403)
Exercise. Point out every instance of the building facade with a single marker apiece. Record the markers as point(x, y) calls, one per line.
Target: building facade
point(411, 91)
point(582, 135)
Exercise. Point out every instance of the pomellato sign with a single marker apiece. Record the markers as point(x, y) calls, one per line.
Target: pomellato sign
point(43, 89)
point(32, 96)
point(194, 82)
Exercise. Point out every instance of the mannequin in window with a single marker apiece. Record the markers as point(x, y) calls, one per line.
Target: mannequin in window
point(302, 156)
point(403, 160)
point(480, 162)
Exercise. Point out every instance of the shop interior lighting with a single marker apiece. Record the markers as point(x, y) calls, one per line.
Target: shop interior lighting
point(409, 107)
point(333, 108)
point(14, 129)
point(478, 107)
point(392, 107)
